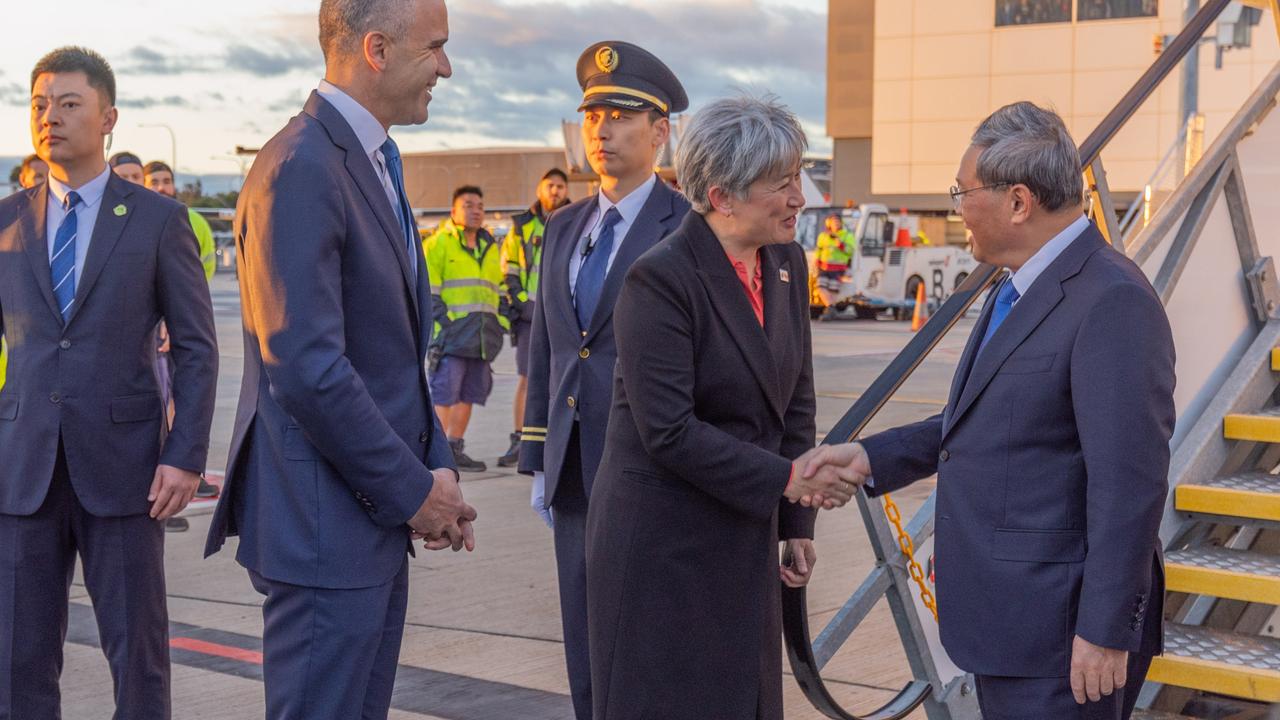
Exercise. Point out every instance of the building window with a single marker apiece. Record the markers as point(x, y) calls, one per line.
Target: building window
point(1033, 12)
point(1111, 9)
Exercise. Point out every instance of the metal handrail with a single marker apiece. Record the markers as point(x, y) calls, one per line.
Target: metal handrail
point(795, 614)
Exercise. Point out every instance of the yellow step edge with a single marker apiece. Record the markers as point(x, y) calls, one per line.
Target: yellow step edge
point(1222, 583)
point(1224, 501)
point(1256, 428)
point(1216, 677)
point(1275, 358)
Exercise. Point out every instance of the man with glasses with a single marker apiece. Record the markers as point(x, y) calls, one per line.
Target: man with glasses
point(1053, 450)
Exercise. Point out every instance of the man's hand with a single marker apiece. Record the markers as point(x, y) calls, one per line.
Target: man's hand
point(444, 520)
point(171, 490)
point(1096, 671)
point(828, 475)
point(797, 562)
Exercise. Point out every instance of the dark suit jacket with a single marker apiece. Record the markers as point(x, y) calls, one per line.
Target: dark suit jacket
point(682, 532)
point(1052, 456)
point(568, 372)
point(335, 431)
point(92, 381)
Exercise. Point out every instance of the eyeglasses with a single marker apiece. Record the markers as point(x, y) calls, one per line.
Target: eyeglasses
point(957, 195)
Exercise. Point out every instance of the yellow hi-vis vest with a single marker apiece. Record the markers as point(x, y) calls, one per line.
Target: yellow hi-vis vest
point(522, 256)
point(835, 251)
point(466, 288)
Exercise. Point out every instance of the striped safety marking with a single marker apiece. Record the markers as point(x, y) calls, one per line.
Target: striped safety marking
point(216, 650)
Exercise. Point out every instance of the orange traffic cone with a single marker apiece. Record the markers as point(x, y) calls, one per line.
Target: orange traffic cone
point(903, 238)
point(921, 313)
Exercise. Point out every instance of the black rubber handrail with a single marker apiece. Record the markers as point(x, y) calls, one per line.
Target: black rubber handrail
point(795, 612)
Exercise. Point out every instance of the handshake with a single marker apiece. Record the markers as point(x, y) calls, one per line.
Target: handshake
point(444, 520)
point(828, 475)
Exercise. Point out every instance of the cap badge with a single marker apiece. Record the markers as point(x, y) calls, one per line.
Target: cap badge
point(607, 59)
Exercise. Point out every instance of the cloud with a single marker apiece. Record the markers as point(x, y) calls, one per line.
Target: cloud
point(514, 66)
point(273, 58)
point(14, 94)
point(270, 63)
point(143, 103)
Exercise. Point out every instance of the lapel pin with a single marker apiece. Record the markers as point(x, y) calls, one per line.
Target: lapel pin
point(783, 275)
point(120, 210)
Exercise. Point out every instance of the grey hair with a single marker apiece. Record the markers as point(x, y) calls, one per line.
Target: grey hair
point(1027, 144)
point(344, 23)
point(735, 141)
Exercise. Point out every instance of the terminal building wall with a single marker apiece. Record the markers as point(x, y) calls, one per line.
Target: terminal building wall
point(939, 66)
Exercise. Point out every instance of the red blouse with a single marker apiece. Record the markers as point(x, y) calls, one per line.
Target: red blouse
point(753, 287)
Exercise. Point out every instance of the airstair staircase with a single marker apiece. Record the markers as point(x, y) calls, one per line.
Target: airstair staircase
point(1208, 250)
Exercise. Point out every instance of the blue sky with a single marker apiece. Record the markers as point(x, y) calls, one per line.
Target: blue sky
point(234, 75)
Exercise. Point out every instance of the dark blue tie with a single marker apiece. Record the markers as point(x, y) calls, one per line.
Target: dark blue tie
point(62, 266)
point(595, 266)
point(391, 153)
point(1005, 298)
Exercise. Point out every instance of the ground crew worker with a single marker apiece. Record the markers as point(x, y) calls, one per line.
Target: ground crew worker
point(465, 266)
point(521, 259)
point(835, 250)
point(158, 177)
point(33, 172)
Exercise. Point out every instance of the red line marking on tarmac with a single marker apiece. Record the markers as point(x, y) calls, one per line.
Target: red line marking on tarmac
point(215, 649)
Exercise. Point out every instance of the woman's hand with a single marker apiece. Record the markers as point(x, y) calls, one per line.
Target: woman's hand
point(798, 560)
point(828, 476)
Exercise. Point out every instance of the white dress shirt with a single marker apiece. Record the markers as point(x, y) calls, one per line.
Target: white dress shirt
point(1045, 256)
point(368, 131)
point(629, 208)
point(86, 214)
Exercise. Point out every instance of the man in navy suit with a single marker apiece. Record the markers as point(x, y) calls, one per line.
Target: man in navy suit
point(89, 263)
point(628, 95)
point(337, 460)
point(1053, 450)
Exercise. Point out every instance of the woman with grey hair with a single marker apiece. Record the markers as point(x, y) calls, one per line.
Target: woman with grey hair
point(713, 403)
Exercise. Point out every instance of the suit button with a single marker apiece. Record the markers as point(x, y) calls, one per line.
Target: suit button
point(65, 344)
point(55, 398)
point(944, 456)
point(572, 402)
point(424, 437)
point(584, 353)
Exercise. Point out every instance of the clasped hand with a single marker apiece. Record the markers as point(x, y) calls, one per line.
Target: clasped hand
point(828, 476)
point(444, 520)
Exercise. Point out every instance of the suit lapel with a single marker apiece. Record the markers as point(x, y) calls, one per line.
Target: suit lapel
point(731, 304)
point(649, 227)
point(1027, 314)
point(361, 171)
point(107, 229)
point(778, 325)
point(560, 257)
point(966, 358)
point(35, 240)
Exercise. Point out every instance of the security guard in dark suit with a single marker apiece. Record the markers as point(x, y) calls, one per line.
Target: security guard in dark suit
point(628, 96)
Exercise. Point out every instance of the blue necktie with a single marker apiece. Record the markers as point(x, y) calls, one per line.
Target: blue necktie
point(62, 266)
point(594, 268)
point(1005, 299)
point(391, 153)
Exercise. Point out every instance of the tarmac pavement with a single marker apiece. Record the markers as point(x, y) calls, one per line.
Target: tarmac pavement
point(483, 639)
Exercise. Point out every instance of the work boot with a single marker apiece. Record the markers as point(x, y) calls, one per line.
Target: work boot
point(464, 461)
point(512, 458)
point(206, 490)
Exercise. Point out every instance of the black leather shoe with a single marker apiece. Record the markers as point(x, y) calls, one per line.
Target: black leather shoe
point(512, 458)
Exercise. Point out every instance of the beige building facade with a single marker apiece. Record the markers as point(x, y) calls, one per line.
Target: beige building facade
point(909, 80)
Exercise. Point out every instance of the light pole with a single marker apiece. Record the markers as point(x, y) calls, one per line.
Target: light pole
point(173, 146)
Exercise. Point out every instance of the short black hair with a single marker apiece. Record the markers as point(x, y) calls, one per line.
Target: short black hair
point(467, 190)
point(74, 58)
point(26, 161)
point(156, 166)
point(556, 172)
point(124, 158)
